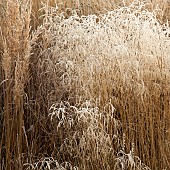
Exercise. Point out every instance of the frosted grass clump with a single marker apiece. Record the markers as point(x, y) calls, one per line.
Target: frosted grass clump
point(94, 132)
point(87, 134)
point(121, 56)
point(50, 164)
point(127, 27)
point(128, 40)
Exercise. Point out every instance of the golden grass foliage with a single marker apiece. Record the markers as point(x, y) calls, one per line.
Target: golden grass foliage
point(84, 85)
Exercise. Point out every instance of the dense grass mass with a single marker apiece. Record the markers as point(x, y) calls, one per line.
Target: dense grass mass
point(84, 85)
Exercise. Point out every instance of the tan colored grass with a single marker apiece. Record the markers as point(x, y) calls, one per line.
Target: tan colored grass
point(15, 29)
point(117, 60)
point(123, 56)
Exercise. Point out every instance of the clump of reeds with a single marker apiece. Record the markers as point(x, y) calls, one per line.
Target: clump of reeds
point(116, 59)
point(16, 51)
point(122, 56)
point(87, 139)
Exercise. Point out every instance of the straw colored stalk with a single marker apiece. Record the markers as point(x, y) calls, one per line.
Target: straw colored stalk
point(15, 61)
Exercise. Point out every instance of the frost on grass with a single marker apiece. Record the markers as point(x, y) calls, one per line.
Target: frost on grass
point(121, 56)
point(97, 132)
point(49, 164)
point(122, 45)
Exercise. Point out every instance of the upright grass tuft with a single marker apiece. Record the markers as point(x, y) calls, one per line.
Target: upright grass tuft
point(15, 33)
